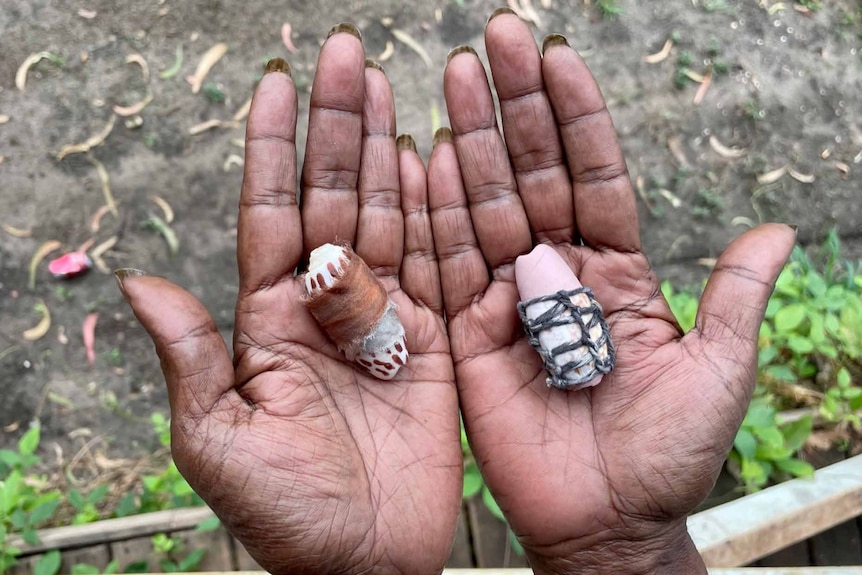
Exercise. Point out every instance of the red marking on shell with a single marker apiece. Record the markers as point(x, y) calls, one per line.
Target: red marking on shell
point(313, 284)
point(332, 269)
point(398, 347)
point(320, 280)
point(397, 359)
point(380, 371)
point(365, 362)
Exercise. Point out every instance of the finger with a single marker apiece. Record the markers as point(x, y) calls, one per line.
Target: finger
point(333, 148)
point(734, 300)
point(605, 209)
point(463, 272)
point(269, 236)
point(194, 358)
point(498, 215)
point(420, 277)
point(531, 132)
point(380, 229)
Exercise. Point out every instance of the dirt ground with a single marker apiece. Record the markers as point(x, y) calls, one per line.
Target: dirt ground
point(783, 93)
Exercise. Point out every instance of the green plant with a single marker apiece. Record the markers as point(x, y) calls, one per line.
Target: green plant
point(86, 508)
point(174, 558)
point(25, 502)
point(609, 9)
point(213, 93)
point(764, 448)
point(754, 111)
point(86, 569)
point(168, 489)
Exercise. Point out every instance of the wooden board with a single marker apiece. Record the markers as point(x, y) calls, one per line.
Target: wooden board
point(742, 531)
point(98, 556)
point(841, 544)
point(217, 544)
point(462, 552)
point(491, 545)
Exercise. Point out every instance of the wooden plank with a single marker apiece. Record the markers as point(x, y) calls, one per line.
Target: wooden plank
point(98, 556)
point(796, 555)
point(839, 545)
point(462, 553)
point(491, 544)
point(25, 566)
point(112, 530)
point(132, 551)
point(750, 528)
point(218, 555)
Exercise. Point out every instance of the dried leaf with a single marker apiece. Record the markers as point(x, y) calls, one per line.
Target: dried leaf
point(725, 151)
point(408, 40)
point(3, 118)
point(233, 160)
point(12, 427)
point(40, 329)
point(134, 108)
point(97, 218)
point(800, 177)
point(88, 14)
point(661, 55)
point(238, 142)
point(670, 197)
point(32, 60)
point(674, 144)
point(772, 176)
point(704, 86)
point(17, 232)
point(209, 60)
point(286, 30)
point(707, 262)
point(243, 111)
point(825, 153)
point(139, 60)
point(693, 76)
point(159, 225)
point(90, 143)
point(387, 52)
point(103, 247)
point(62, 338)
point(37, 258)
point(165, 206)
point(844, 168)
point(106, 186)
point(777, 7)
point(178, 62)
point(802, 9)
point(742, 221)
point(88, 329)
point(530, 13)
point(210, 125)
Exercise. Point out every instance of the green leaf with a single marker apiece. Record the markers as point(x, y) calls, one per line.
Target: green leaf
point(210, 524)
point(817, 333)
point(169, 566)
point(852, 392)
point(112, 567)
point(772, 307)
point(766, 355)
point(97, 495)
point(753, 473)
point(759, 415)
point(770, 436)
point(192, 560)
point(491, 504)
point(152, 482)
point(843, 377)
point(10, 492)
point(832, 324)
point(472, 481)
point(30, 536)
point(816, 284)
point(10, 458)
point(827, 349)
point(789, 317)
point(781, 372)
point(19, 519)
point(49, 564)
point(766, 452)
point(137, 567)
point(126, 506)
point(796, 467)
point(797, 432)
point(182, 488)
point(84, 569)
point(77, 500)
point(29, 441)
point(745, 443)
point(856, 404)
point(43, 512)
point(800, 345)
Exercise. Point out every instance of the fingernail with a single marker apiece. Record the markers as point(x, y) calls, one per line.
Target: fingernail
point(498, 12)
point(346, 28)
point(123, 273)
point(794, 227)
point(369, 63)
point(277, 65)
point(553, 40)
point(463, 49)
point(443, 134)
point(405, 142)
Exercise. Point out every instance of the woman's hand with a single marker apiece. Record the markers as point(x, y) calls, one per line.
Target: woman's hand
point(313, 465)
point(598, 480)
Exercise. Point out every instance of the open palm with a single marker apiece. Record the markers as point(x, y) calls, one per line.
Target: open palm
point(594, 479)
point(314, 466)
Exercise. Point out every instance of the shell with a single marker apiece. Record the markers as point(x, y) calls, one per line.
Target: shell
point(554, 327)
point(352, 307)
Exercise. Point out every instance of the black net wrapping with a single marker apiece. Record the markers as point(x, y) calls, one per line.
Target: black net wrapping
point(590, 362)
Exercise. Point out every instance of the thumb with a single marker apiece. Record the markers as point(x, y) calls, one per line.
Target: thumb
point(734, 300)
point(194, 358)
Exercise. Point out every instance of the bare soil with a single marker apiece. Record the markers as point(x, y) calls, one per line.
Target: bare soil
point(784, 88)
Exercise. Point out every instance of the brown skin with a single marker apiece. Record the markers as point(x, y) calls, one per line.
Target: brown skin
point(599, 480)
point(314, 466)
point(319, 469)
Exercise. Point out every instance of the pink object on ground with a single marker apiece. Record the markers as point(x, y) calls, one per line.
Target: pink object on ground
point(543, 272)
point(70, 265)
